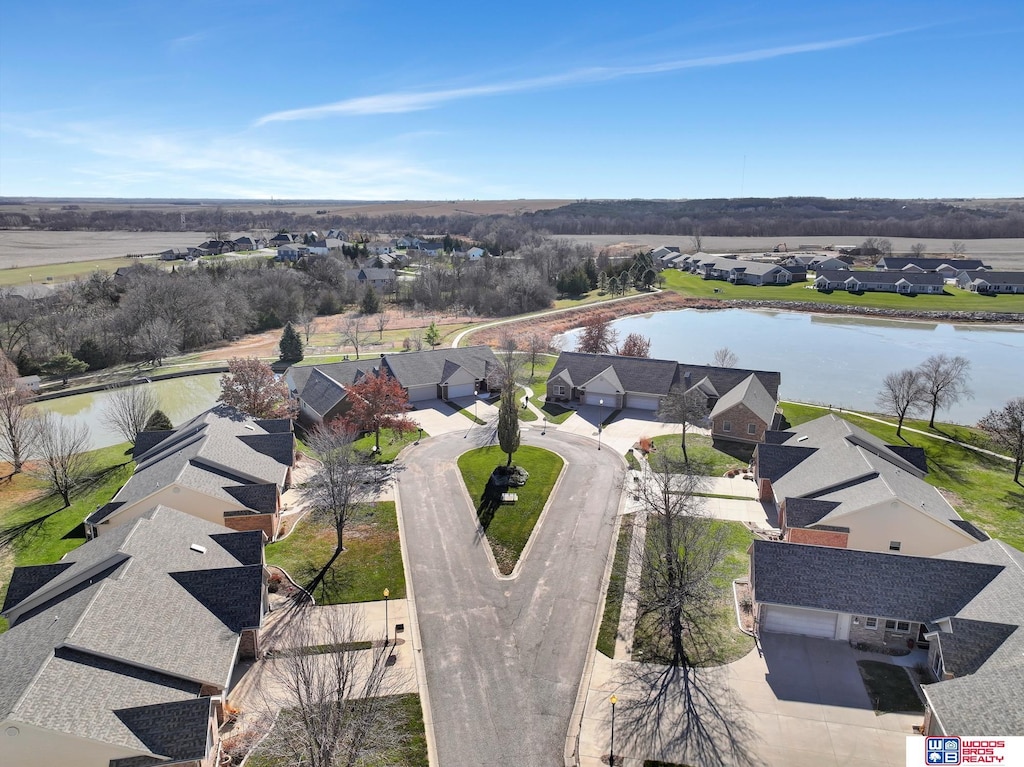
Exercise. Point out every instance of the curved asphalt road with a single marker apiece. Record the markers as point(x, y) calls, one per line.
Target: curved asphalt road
point(504, 658)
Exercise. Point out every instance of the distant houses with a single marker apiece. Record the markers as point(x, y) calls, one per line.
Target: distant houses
point(991, 283)
point(906, 283)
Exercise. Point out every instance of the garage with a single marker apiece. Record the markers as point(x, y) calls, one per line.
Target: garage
point(643, 401)
point(420, 393)
point(461, 390)
point(596, 397)
point(799, 620)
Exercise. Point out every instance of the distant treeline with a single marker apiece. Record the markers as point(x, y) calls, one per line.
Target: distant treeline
point(754, 217)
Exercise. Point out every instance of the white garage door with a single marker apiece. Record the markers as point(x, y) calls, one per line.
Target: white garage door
point(642, 402)
point(796, 620)
point(420, 393)
point(461, 390)
point(595, 399)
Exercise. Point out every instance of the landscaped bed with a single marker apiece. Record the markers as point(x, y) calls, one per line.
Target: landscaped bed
point(889, 687)
point(508, 527)
point(616, 590)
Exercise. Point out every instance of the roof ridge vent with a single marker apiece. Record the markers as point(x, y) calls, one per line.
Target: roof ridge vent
point(197, 548)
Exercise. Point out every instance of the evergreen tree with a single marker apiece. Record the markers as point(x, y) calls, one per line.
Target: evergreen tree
point(64, 365)
point(291, 344)
point(508, 423)
point(432, 335)
point(371, 301)
point(158, 422)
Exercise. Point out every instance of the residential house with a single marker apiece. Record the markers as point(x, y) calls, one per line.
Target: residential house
point(325, 246)
point(221, 466)
point(907, 283)
point(121, 653)
point(250, 243)
point(475, 253)
point(742, 403)
point(444, 374)
point(379, 247)
point(408, 242)
point(432, 248)
point(173, 254)
point(835, 484)
point(966, 606)
point(282, 238)
point(818, 262)
point(661, 254)
point(382, 280)
point(982, 281)
point(217, 247)
point(947, 267)
point(291, 252)
point(336, 234)
point(33, 292)
point(743, 272)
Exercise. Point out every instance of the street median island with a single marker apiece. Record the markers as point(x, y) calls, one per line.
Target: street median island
point(507, 525)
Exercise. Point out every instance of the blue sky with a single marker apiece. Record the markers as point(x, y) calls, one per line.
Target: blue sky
point(411, 100)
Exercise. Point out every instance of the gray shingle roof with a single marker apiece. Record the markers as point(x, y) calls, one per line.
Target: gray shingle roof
point(321, 392)
point(26, 580)
point(217, 449)
point(831, 459)
point(881, 278)
point(804, 512)
point(126, 628)
point(147, 440)
point(752, 394)
point(966, 648)
point(261, 498)
point(427, 367)
point(929, 264)
point(865, 582)
point(636, 374)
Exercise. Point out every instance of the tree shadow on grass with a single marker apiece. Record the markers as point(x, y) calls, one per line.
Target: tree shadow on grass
point(686, 712)
point(490, 502)
point(326, 580)
point(30, 528)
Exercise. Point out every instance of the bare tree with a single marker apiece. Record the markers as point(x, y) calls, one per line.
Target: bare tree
point(510, 361)
point(306, 319)
point(902, 393)
point(15, 420)
point(884, 248)
point(381, 320)
point(128, 409)
point(537, 343)
point(676, 593)
point(945, 382)
point(1005, 427)
point(354, 334)
point(696, 240)
point(337, 704)
point(346, 479)
point(917, 249)
point(725, 358)
point(959, 249)
point(157, 339)
point(685, 407)
point(61, 446)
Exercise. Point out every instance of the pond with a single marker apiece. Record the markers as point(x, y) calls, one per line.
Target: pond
point(838, 359)
point(179, 398)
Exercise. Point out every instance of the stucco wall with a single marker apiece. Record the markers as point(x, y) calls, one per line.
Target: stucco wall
point(36, 747)
point(919, 534)
point(176, 497)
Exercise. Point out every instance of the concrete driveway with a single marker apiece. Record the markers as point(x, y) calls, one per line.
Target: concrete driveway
point(623, 433)
point(437, 418)
point(799, 702)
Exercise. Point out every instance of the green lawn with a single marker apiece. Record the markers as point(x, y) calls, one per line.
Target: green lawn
point(719, 640)
point(66, 272)
point(410, 752)
point(616, 590)
point(703, 449)
point(371, 562)
point(982, 486)
point(953, 299)
point(35, 529)
point(391, 443)
point(889, 687)
point(508, 527)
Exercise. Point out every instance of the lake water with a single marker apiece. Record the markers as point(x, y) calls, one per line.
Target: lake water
point(838, 360)
point(179, 398)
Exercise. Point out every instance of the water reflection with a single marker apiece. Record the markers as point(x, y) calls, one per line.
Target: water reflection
point(179, 398)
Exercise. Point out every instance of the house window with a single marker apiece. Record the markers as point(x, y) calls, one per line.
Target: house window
point(560, 390)
point(871, 623)
point(751, 428)
point(902, 626)
point(894, 545)
point(726, 425)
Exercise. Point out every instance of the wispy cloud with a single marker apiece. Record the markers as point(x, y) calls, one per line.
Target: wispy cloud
point(145, 163)
point(411, 101)
point(187, 41)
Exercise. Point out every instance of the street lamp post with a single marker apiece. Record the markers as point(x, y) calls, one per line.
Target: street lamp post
point(611, 750)
point(387, 634)
point(600, 423)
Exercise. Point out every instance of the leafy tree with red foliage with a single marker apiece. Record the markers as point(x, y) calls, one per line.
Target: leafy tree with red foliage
point(596, 336)
point(251, 387)
point(377, 401)
point(635, 345)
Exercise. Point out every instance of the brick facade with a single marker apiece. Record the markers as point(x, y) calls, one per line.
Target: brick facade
point(268, 523)
point(739, 418)
point(881, 638)
point(831, 538)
